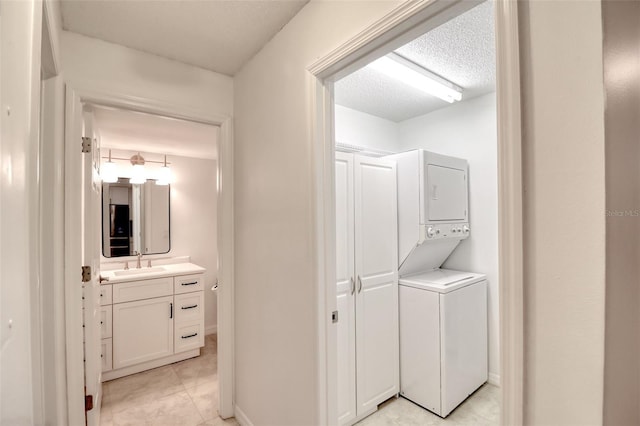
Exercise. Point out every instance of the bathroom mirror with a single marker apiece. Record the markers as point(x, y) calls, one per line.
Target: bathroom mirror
point(135, 218)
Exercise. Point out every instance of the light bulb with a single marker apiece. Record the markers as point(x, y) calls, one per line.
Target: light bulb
point(164, 176)
point(137, 175)
point(109, 172)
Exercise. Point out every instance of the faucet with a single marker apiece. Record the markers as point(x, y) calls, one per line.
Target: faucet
point(139, 255)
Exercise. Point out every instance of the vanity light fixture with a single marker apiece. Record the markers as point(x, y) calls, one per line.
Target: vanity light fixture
point(164, 177)
point(402, 69)
point(108, 171)
point(138, 173)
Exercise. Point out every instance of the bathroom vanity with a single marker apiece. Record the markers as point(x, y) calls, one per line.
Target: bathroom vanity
point(150, 317)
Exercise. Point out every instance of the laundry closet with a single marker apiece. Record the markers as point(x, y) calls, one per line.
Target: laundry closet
point(416, 223)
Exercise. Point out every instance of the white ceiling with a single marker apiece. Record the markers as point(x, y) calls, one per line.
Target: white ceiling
point(135, 131)
point(462, 51)
point(218, 35)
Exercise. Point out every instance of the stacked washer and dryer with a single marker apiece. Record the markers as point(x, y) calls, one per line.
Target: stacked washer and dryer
point(443, 313)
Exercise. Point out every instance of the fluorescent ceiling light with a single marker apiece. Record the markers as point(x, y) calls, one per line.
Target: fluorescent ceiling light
point(396, 66)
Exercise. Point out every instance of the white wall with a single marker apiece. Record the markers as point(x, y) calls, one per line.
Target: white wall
point(277, 362)
point(564, 211)
point(362, 129)
point(193, 222)
point(20, 372)
point(95, 64)
point(468, 130)
point(622, 342)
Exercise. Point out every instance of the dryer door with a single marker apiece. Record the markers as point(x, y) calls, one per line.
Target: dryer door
point(446, 194)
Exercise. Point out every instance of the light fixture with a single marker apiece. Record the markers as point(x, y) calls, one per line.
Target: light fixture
point(138, 173)
point(108, 171)
point(400, 68)
point(164, 176)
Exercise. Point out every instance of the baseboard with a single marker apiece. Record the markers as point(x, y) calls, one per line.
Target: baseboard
point(211, 329)
point(494, 379)
point(241, 417)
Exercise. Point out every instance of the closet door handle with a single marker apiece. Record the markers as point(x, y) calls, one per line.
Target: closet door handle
point(353, 285)
point(170, 310)
point(359, 284)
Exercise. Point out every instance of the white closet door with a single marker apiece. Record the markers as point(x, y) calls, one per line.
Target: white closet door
point(345, 276)
point(376, 248)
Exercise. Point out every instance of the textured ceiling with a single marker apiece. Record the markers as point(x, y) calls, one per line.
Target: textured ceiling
point(462, 51)
point(219, 35)
point(134, 131)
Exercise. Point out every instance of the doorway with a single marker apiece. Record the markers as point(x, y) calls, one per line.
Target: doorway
point(402, 26)
point(429, 102)
point(182, 238)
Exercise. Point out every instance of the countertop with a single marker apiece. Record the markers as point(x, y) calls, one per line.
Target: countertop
point(159, 271)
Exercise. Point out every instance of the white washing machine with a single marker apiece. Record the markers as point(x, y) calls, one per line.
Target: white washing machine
point(443, 313)
point(443, 337)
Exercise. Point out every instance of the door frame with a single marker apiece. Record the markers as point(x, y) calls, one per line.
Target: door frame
point(73, 216)
point(404, 23)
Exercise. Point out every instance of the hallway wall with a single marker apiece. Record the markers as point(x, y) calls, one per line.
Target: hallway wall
point(622, 153)
point(564, 204)
point(277, 337)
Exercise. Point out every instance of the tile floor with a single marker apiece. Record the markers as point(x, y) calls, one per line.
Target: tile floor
point(480, 409)
point(184, 394)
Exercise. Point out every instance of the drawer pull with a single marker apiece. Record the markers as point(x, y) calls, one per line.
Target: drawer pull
point(190, 335)
point(191, 283)
point(190, 307)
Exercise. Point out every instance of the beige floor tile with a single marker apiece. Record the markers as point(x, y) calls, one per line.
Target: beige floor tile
point(197, 371)
point(220, 422)
point(484, 403)
point(141, 388)
point(171, 410)
point(134, 398)
point(205, 397)
point(480, 409)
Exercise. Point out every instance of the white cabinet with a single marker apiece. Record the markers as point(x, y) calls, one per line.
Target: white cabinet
point(151, 322)
point(142, 331)
point(367, 284)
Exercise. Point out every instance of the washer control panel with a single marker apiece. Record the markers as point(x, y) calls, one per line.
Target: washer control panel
point(446, 230)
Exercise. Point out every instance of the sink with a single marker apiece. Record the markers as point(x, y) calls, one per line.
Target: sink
point(139, 271)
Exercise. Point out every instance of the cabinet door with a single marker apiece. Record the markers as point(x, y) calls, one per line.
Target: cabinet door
point(346, 327)
point(376, 260)
point(142, 331)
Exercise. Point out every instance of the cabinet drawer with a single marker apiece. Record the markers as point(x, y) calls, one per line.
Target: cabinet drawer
point(189, 306)
point(106, 315)
point(189, 335)
point(189, 283)
point(106, 354)
point(146, 289)
point(106, 292)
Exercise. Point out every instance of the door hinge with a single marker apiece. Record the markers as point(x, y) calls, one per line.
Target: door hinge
point(86, 144)
point(86, 274)
point(334, 317)
point(88, 402)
